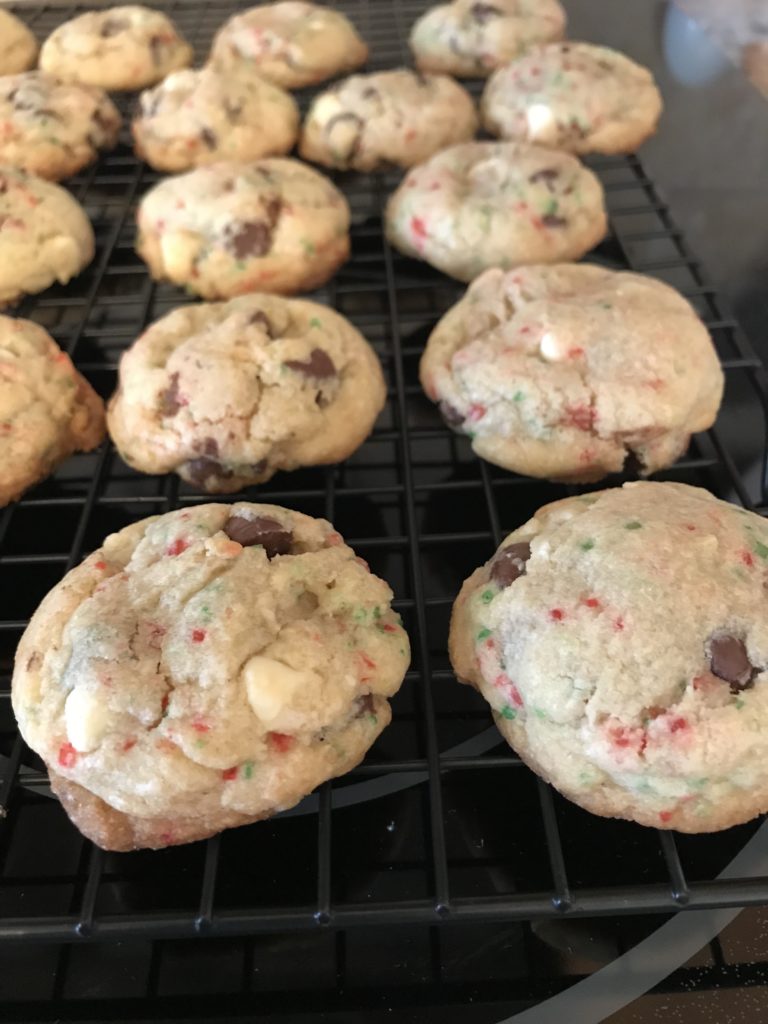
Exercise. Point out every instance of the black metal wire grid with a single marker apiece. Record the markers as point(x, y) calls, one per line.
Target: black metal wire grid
point(441, 822)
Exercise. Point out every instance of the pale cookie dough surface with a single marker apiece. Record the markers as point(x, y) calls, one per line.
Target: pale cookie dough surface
point(116, 48)
point(205, 669)
point(496, 204)
point(620, 640)
point(199, 117)
point(470, 38)
point(54, 128)
point(225, 394)
point(392, 117)
point(292, 44)
point(45, 235)
point(226, 229)
point(18, 47)
point(47, 410)
point(567, 371)
point(573, 96)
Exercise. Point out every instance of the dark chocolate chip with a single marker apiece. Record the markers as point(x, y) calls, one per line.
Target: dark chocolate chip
point(210, 446)
point(233, 111)
point(274, 206)
point(510, 563)
point(112, 26)
point(370, 93)
point(169, 399)
point(452, 416)
point(483, 12)
point(319, 365)
point(547, 174)
point(257, 468)
point(209, 138)
point(729, 661)
point(263, 321)
point(269, 533)
point(551, 220)
point(201, 470)
point(251, 238)
point(366, 705)
point(49, 114)
point(3, 185)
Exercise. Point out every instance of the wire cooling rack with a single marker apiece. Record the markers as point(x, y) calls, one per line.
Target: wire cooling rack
point(441, 823)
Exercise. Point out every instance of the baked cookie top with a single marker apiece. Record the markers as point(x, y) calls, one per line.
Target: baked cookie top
point(292, 44)
point(573, 96)
point(53, 128)
point(391, 117)
point(47, 410)
point(226, 228)
point(227, 393)
point(471, 38)
point(210, 660)
point(45, 235)
point(125, 47)
point(18, 46)
point(565, 371)
point(620, 639)
point(496, 204)
point(201, 116)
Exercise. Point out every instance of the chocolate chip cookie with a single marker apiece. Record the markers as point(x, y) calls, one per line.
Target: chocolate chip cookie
point(54, 128)
point(225, 229)
point(389, 118)
point(573, 96)
point(292, 44)
point(45, 235)
point(226, 394)
point(47, 410)
point(496, 204)
point(620, 640)
point(199, 117)
point(470, 38)
point(204, 669)
point(569, 372)
point(116, 48)
point(18, 47)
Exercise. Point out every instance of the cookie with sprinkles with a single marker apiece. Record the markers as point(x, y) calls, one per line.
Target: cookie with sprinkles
point(45, 235)
point(225, 394)
point(573, 96)
point(620, 641)
point(18, 46)
point(205, 669)
point(400, 117)
point(568, 372)
point(470, 38)
point(496, 204)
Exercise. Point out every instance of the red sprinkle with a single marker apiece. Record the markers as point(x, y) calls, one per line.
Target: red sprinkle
point(281, 741)
point(198, 635)
point(388, 628)
point(618, 624)
point(665, 815)
point(557, 614)
point(476, 412)
point(677, 724)
point(67, 755)
point(418, 227)
point(747, 558)
point(580, 416)
point(101, 566)
point(199, 725)
point(167, 838)
point(229, 773)
point(177, 547)
point(690, 526)
point(514, 693)
point(573, 353)
point(592, 602)
point(129, 744)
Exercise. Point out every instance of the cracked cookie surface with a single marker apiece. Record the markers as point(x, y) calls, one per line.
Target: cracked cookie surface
point(47, 410)
point(18, 46)
point(126, 47)
point(388, 118)
point(226, 394)
point(563, 372)
point(205, 669)
point(573, 96)
point(496, 204)
point(470, 38)
point(201, 116)
point(45, 235)
point(620, 640)
point(54, 128)
point(226, 229)
point(293, 44)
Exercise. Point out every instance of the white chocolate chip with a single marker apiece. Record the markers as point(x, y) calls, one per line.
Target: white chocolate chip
point(86, 720)
point(550, 348)
point(326, 107)
point(270, 685)
point(541, 123)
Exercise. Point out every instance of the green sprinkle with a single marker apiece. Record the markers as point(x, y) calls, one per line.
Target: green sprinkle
point(518, 396)
point(739, 703)
point(540, 713)
point(376, 612)
point(308, 247)
point(315, 322)
point(206, 614)
point(587, 545)
point(487, 596)
point(240, 264)
point(247, 769)
point(402, 651)
point(551, 208)
point(761, 549)
point(360, 614)
point(508, 712)
point(606, 305)
point(373, 719)
point(483, 634)
point(633, 525)
point(199, 743)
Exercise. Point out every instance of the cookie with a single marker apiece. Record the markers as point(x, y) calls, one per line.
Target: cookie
point(199, 117)
point(291, 44)
point(115, 48)
point(573, 96)
point(47, 410)
point(620, 640)
point(496, 204)
point(18, 47)
point(226, 394)
point(389, 118)
point(45, 235)
point(54, 128)
point(225, 229)
point(569, 371)
point(470, 38)
point(205, 669)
